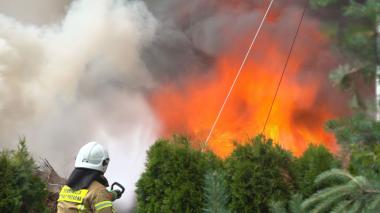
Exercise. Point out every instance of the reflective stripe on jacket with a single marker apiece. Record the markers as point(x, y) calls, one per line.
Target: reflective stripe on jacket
point(94, 199)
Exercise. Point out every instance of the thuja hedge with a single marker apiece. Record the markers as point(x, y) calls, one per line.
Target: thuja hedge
point(314, 161)
point(21, 190)
point(174, 176)
point(256, 174)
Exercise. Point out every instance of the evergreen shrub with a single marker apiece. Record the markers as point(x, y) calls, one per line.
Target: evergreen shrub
point(173, 180)
point(314, 161)
point(21, 190)
point(258, 173)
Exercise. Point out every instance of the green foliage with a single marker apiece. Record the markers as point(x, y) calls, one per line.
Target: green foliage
point(181, 179)
point(365, 160)
point(294, 205)
point(315, 160)
point(368, 9)
point(321, 3)
point(21, 190)
point(359, 128)
point(345, 193)
point(257, 173)
point(352, 26)
point(174, 177)
point(278, 207)
point(216, 193)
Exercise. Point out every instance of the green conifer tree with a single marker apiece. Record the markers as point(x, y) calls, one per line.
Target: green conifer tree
point(173, 180)
point(21, 190)
point(352, 26)
point(314, 161)
point(257, 173)
point(215, 192)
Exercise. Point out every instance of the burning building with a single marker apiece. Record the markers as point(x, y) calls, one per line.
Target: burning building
point(189, 102)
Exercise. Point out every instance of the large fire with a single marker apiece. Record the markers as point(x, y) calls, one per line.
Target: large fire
point(191, 104)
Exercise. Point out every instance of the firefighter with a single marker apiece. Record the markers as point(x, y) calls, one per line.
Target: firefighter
point(85, 190)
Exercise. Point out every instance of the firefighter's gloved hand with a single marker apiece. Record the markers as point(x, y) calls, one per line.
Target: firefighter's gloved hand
point(116, 194)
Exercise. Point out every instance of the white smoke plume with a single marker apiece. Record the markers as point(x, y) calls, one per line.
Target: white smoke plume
point(66, 81)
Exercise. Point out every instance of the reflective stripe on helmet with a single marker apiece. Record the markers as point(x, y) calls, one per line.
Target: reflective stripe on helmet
point(102, 205)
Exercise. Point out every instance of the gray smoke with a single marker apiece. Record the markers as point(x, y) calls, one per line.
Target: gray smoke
point(38, 12)
point(192, 34)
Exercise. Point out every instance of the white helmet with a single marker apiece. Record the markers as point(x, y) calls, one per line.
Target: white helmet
point(92, 156)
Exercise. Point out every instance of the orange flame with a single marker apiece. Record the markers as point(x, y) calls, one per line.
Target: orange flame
point(297, 119)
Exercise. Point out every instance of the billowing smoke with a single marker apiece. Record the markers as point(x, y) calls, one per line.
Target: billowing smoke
point(79, 79)
point(192, 34)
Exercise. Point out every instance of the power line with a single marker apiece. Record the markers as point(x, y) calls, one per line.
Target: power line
point(238, 73)
point(284, 69)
